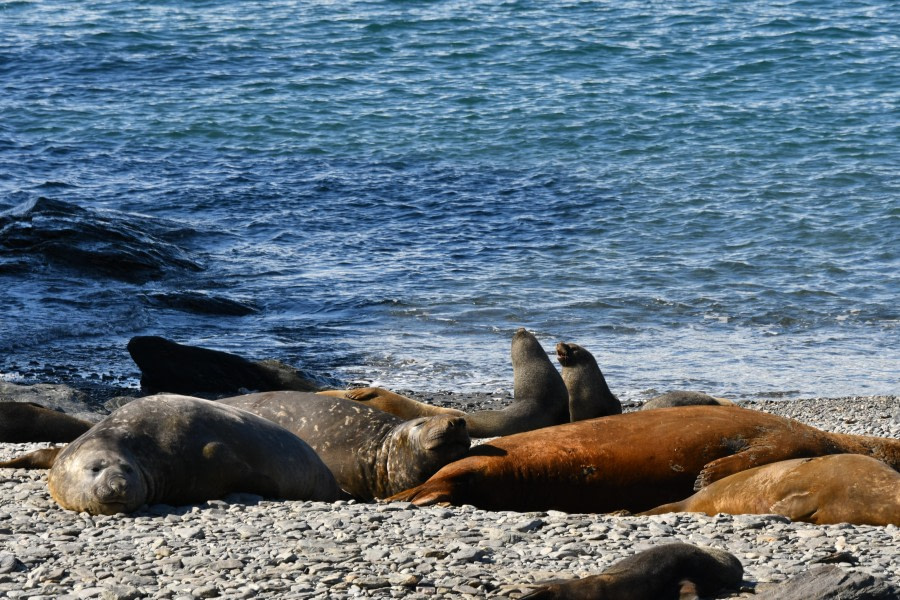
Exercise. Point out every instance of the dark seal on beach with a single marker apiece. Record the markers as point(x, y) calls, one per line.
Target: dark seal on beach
point(684, 398)
point(589, 395)
point(633, 461)
point(180, 450)
point(372, 454)
point(540, 397)
point(660, 573)
point(393, 403)
point(840, 488)
point(30, 422)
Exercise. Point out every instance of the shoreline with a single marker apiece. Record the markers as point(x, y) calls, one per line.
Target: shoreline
point(244, 547)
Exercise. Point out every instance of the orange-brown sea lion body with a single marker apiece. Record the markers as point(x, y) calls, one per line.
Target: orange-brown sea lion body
point(390, 402)
point(659, 573)
point(840, 488)
point(633, 461)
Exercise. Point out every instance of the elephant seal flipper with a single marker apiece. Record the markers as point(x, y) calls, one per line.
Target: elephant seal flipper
point(540, 397)
point(392, 403)
point(661, 572)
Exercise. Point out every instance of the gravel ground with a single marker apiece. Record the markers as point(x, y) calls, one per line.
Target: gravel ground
point(246, 547)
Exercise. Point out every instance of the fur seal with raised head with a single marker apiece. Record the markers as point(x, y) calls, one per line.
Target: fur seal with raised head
point(540, 397)
point(839, 488)
point(181, 450)
point(634, 461)
point(31, 422)
point(589, 395)
point(660, 573)
point(393, 403)
point(372, 454)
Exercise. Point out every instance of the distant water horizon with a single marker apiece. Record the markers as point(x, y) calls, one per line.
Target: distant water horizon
point(706, 195)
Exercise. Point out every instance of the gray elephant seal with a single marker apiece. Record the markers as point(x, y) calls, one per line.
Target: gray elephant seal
point(371, 453)
point(684, 398)
point(31, 422)
point(663, 572)
point(180, 450)
point(540, 397)
point(390, 402)
point(589, 396)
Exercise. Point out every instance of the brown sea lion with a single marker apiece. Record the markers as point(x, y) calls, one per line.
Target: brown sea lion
point(180, 450)
point(395, 404)
point(589, 396)
point(684, 398)
point(660, 573)
point(633, 461)
point(30, 422)
point(540, 397)
point(839, 488)
point(371, 453)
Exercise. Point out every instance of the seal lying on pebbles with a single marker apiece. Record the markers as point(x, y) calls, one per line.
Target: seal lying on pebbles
point(180, 450)
point(589, 396)
point(31, 422)
point(840, 488)
point(684, 398)
point(371, 453)
point(540, 397)
point(633, 461)
point(656, 574)
point(389, 402)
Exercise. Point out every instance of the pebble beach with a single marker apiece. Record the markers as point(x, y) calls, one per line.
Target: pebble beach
point(244, 546)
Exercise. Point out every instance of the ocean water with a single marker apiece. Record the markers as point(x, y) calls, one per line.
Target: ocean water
point(705, 194)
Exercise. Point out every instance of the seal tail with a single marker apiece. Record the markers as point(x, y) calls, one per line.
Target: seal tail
point(39, 459)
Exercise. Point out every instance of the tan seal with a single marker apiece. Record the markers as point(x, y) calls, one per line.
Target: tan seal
point(392, 403)
point(181, 450)
point(589, 395)
point(540, 397)
point(840, 488)
point(663, 572)
point(633, 461)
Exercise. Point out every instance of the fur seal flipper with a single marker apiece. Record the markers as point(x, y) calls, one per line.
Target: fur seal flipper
point(180, 450)
point(656, 574)
point(540, 397)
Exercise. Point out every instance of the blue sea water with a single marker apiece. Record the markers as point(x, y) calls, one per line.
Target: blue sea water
point(705, 194)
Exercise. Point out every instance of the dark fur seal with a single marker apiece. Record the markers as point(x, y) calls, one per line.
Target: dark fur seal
point(589, 396)
point(684, 398)
point(633, 461)
point(180, 450)
point(540, 397)
point(840, 488)
point(371, 453)
point(31, 422)
point(656, 574)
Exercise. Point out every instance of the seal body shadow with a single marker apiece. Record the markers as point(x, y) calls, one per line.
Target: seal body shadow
point(656, 574)
point(540, 397)
point(180, 450)
point(371, 453)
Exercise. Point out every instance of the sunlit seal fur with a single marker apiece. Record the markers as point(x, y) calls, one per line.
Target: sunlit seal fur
point(540, 398)
point(660, 573)
point(589, 396)
point(840, 488)
point(371, 453)
point(31, 422)
point(37, 459)
point(633, 461)
point(390, 402)
point(684, 398)
point(180, 450)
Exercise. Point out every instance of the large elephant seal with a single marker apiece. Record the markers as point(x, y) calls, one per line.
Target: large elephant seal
point(684, 398)
point(540, 397)
point(180, 450)
point(589, 395)
point(31, 422)
point(633, 461)
point(839, 488)
point(371, 453)
point(390, 402)
point(659, 573)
